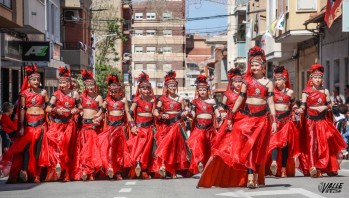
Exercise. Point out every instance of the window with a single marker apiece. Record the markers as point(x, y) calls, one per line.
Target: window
point(151, 67)
point(167, 50)
point(306, 5)
point(167, 32)
point(6, 3)
point(166, 15)
point(151, 15)
point(138, 32)
point(138, 16)
point(166, 67)
point(138, 66)
point(138, 50)
point(150, 49)
point(151, 32)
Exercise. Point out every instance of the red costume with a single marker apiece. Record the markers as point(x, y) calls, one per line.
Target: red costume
point(26, 151)
point(286, 139)
point(86, 153)
point(171, 151)
point(249, 136)
point(141, 144)
point(320, 140)
point(203, 131)
point(62, 131)
point(112, 140)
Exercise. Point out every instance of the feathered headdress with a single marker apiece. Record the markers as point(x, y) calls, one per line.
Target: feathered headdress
point(234, 74)
point(64, 73)
point(281, 72)
point(31, 70)
point(113, 79)
point(87, 76)
point(256, 54)
point(143, 80)
point(315, 70)
point(201, 81)
point(170, 76)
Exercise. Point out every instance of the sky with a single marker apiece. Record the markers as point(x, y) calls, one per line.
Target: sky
point(205, 8)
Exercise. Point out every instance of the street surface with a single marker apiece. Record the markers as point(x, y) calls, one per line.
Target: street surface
point(296, 187)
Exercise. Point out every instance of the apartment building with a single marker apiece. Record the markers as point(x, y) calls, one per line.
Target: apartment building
point(76, 35)
point(199, 60)
point(158, 42)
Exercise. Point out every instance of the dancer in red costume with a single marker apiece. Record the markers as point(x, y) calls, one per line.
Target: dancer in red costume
point(61, 134)
point(203, 131)
point(142, 125)
point(321, 143)
point(286, 139)
point(26, 151)
point(220, 163)
point(251, 129)
point(171, 154)
point(112, 140)
point(86, 153)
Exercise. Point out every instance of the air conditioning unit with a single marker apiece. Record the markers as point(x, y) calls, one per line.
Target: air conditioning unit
point(71, 15)
point(159, 85)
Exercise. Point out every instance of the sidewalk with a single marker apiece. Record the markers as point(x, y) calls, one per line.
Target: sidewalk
point(344, 165)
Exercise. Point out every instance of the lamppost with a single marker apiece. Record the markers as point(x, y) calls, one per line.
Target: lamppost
point(95, 41)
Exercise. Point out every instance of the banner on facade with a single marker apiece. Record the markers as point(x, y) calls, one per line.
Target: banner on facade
point(333, 11)
point(36, 51)
point(345, 17)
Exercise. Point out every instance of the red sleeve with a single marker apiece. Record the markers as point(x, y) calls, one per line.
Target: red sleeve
point(7, 124)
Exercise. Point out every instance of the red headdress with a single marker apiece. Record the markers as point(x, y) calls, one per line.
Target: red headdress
point(31, 71)
point(201, 82)
point(256, 54)
point(143, 80)
point(114, 84)
point(87, 77)
point(281, 72)
point(170, 78)
point(64, 73)
point(315, 70)
point(234, 74)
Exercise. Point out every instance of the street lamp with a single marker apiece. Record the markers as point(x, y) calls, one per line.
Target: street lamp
point(95, 41)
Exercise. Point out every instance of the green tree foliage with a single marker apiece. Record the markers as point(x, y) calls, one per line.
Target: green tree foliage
point(102, 74)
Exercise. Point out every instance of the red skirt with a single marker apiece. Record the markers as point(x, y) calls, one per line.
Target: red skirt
point(171, 149)
point(221, 163)
point(287, 134)
point(200, 142)
point(86, 153)
point(141, 147)
point(37, 158)
point(251, 139)
point(113, 149)
point(61, 141)
point(320, 144)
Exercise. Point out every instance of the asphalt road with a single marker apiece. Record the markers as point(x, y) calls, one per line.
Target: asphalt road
point(298, 186)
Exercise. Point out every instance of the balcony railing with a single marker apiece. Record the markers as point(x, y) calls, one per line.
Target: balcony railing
point(241, 49)
point(77, 46)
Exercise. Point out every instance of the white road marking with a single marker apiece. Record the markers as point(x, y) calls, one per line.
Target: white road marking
point(130, 183)
point(123, 190)
point(249, 194)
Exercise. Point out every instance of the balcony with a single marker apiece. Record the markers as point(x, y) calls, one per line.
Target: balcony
point(158, 57)
point(76, 54)
point(166, 40)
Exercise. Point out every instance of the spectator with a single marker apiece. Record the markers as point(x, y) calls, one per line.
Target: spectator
point(346, 93)
point(9, 127)
point(343, 126)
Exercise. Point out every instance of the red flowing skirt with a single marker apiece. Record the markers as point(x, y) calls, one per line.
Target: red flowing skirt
point(221, 163)
point(86, 153)
point(287, 134)
point(141, 147)
point(200, 142)
point(171, 149)
point(320, 144)
point(113, 149)
point(61, 141)
point(37, 158)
